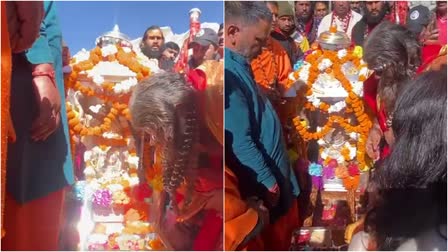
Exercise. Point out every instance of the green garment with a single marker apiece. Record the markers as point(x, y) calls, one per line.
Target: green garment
point(36, 169)
point(255, 149)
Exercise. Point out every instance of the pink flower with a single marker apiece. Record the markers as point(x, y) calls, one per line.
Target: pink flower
point(353, 169)
point(333, 163)
point(328, 172)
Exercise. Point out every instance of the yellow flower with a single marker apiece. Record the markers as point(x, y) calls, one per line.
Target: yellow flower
point(357, 51)
point(156, 183)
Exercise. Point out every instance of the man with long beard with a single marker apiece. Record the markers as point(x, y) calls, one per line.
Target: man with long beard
point(375, 11)
point(152, 42)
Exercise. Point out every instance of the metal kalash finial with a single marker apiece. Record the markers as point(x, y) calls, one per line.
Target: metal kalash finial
point(333, 40)
point(116, 29)
point(114, 37)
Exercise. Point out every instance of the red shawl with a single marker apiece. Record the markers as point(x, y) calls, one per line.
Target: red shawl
point(370, 95)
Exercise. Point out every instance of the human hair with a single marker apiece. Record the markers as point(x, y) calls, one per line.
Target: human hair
point(152, 27)
point(295, 2)
point(393, 53)
point(272, 2)
point(411, 182)
point(316, 2)
point(172, 45)
point(164, 106)
point(247, 12)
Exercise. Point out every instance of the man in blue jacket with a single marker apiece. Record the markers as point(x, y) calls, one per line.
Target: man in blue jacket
point(39, 164)
point(255, 150)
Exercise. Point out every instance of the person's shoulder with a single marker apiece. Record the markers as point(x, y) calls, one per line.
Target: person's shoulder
point(356, 16)
point(326, 18)
point(359, 27)
point(232, 74)
point(429, 240)
point(276, 45)
point(358, 24)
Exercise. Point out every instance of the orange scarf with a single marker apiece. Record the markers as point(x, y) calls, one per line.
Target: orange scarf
point(239, 219)
point(6, 125)
point(272, 64)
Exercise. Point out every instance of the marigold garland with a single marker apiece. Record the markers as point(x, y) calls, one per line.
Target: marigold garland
point(119, 102)
point(354, 105)
point(116, 111)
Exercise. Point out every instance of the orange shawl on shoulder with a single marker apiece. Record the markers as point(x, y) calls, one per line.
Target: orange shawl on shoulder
point(273, 62)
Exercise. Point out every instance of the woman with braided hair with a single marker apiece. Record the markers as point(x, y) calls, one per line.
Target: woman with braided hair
point(166, 108)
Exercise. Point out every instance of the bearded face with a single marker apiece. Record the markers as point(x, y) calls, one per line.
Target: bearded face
point(152, 44)
point(375, 11)
point(151, 52)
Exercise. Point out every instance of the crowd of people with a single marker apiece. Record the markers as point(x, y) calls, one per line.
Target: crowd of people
point(405, 95)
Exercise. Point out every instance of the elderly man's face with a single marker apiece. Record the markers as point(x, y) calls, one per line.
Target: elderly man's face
point(154, 39)
point(303, 10)
point(341, 8)
point(248, 39)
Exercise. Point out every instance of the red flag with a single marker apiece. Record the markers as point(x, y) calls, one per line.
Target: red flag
point(195, 25)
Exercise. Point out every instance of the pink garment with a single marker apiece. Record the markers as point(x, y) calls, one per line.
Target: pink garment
point(441, 26)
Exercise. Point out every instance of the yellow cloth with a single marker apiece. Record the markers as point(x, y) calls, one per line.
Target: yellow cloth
point(304, 45)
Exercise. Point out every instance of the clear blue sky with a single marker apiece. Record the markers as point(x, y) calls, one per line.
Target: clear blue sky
point(82, 22)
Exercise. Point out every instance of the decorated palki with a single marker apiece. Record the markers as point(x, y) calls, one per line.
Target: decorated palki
point(114, 214)
point(333, 73)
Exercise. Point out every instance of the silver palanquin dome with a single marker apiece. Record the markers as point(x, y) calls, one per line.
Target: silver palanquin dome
point(114, 37)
